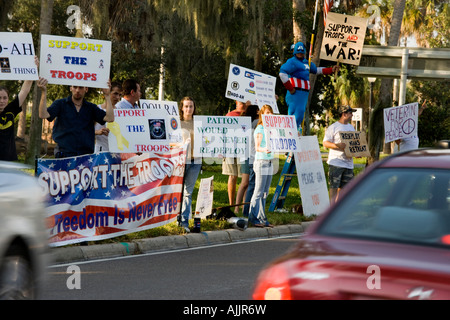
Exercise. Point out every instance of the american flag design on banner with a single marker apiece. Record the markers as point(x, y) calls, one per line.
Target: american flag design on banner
point(104, 195)
point(327, 4)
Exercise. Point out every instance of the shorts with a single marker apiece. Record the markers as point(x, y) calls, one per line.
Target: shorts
point(338, 177)
point(245, 167)
point(231, 167)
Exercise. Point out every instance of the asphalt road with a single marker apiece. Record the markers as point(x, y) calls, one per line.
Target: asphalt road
point(218, 272)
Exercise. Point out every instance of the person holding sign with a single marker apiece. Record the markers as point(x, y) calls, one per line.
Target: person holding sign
point(263, 168)
point(340, 170)
point(8, 114)
point(74, 129)
point(193, 165)
point(294, 75)
point(131, 94)
point(101, 131)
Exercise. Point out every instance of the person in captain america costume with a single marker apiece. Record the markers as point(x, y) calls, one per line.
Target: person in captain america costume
point(294, 75)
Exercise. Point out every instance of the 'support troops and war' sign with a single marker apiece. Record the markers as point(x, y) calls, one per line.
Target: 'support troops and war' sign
point(343, 38)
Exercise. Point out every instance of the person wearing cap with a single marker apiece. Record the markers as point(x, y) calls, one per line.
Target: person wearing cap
point(294, 75)
point(340, 170)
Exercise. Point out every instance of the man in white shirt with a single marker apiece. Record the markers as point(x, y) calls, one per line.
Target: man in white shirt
point(131, 94)
point(340, 166)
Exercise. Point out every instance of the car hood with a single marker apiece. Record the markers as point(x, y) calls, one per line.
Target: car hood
point(333, 268)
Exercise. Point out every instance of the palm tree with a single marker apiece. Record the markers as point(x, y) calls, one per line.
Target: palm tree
point(385, 95)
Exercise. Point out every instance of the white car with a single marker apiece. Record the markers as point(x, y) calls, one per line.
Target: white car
point(23, 243)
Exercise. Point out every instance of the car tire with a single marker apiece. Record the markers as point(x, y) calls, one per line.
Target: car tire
point(16, 279)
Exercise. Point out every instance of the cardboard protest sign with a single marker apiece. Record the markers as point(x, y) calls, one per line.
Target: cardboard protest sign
point(17, 56)
point(227, 137)
point(205, 198)
point(139, 130)
point(401, 122)
point(311, 176)
point(355, 144)
point(75, 61)
point(343, 38)
point(281, 133)
point(249, 85)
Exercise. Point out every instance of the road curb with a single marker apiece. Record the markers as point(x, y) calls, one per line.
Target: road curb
point(64, 255)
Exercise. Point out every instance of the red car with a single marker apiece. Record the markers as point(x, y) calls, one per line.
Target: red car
point(388, 237)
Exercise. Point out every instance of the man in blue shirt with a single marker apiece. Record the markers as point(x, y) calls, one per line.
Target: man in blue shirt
point(73, 130)
point(294, 74)
point(131, 91)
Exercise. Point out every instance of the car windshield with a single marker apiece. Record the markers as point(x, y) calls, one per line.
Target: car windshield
point(397, 205)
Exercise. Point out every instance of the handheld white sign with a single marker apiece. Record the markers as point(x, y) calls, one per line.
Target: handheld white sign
point(281, 133)
point(171, 107)
point(75, 61)
point(17, 56)
point(248, 85)
point(227, 137)
point(138, 130)
point(401, 122)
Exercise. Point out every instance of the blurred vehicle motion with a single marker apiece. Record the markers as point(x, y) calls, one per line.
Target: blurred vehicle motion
point(23, 243)
point(387, 237)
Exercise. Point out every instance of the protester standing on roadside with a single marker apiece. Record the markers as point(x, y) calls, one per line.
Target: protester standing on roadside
point(294, 75)
point(247, 184)
point(131, 91)
point(340, 167)
point(101, 131)
point(193, 165)
point(263, 168)
point(231, 166)
point(8, 114)
point(73, 130)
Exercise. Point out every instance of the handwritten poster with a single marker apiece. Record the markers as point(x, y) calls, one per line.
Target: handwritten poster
point(311, 176)
point(281, 133)
point(75, 61)
point(355, 144)
point(17, 56)
point(401, 122)
point(343, 38)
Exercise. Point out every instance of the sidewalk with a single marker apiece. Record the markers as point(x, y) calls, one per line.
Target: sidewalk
point(62, 255)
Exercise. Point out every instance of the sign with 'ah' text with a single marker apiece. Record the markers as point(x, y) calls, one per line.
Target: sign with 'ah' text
point(400, 122)
point(17, 56)
point(75, 61)
point(343, 38)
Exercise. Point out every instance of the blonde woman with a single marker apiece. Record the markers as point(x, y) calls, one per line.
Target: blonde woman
point(263, 168)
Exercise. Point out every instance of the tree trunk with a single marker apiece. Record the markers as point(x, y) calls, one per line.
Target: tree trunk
point(385, 97)
point(299, 34)
point(34, 145)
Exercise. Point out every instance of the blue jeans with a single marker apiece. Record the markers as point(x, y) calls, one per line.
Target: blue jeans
point(297, 105)
point(249, 192)
point(191, 171)
point(263, 178)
